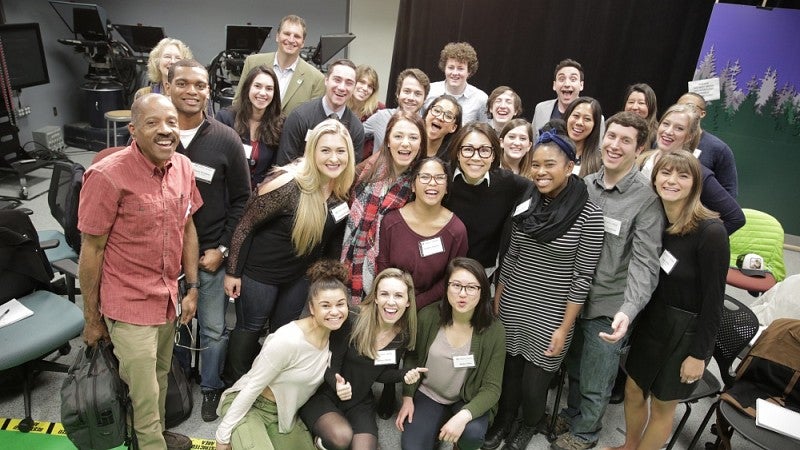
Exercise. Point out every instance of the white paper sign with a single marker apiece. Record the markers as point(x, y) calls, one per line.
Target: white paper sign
point(708, 88)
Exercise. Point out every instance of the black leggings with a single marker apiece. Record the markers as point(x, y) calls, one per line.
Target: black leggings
point(523, 383)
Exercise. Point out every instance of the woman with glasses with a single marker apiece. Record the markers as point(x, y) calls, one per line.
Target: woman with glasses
point(383, 183)
point(162, 56)
point(423, 236)
point(556, 238)
point(257, 119)
point(296, 218)
point(463, 347)
point(482, 194)
point(442, 119)
point(260, 409)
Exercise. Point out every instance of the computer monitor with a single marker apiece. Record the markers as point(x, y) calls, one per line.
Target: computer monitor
point(24, 54)
point(140, 38)
point(245, 38)
point(329, 45)
point(86, 20)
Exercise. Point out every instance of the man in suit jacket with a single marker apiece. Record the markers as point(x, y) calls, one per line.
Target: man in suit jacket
point(568, 84)
point(298, 80)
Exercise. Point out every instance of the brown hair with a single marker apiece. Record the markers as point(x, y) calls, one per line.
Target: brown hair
point(416, 74)
point(693, 211)
point(271, 123)
point(497, 92)
point(461, 52)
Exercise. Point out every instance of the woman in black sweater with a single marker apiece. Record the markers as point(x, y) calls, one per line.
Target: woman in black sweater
point(674, 339)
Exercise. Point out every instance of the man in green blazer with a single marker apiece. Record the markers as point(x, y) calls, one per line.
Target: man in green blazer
point(298, 81)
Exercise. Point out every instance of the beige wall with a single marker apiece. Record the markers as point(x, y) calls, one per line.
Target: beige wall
point(374, 22)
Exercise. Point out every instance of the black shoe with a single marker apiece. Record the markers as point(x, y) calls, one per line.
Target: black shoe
point(618, 391)
point(497, 432)
point(177, 441)
point(387, 403)
point(210, 402)
point(520, 439)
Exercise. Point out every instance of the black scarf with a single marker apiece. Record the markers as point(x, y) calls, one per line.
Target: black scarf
point(548, 222)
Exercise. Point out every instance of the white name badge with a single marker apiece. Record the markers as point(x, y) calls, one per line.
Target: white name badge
point(340, 212)
point(248, 150)
point(611, 225)
point(385, 357)
point(203, 173)
point(431, 246)
point(308, 134)
point(462, 361)
point(522, 207)
point(697, 152)
point(667, 261)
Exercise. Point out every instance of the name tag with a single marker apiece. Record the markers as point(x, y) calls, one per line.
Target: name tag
point(697, 152)
point(385, 357)
point(611, 225)
point(576, 169)
point(248, 150)
point(522, 207)
point(431, 246)
point(203, 173)
point(340, 212)
point(667, 261)
point(463, 361)
point(308, 134)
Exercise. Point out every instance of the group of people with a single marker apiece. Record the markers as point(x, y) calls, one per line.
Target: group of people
point(448, 245)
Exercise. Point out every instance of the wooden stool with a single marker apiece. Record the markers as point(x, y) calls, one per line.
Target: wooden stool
point(112, 118)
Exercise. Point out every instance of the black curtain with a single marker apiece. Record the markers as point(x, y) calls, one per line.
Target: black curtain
point(519, 43)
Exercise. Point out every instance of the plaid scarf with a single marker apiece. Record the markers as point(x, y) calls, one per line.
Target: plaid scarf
point(360, 245)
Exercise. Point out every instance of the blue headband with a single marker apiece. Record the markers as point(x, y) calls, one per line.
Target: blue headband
point(550, 136)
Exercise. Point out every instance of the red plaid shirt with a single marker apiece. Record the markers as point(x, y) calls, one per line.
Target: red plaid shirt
point(143, 210)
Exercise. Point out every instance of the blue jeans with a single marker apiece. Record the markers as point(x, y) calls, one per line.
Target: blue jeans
point(259, 302)
point(212, 304)
point(592, 365)
point(429, 416)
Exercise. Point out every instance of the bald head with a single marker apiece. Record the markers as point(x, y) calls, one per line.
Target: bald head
point(154, 127)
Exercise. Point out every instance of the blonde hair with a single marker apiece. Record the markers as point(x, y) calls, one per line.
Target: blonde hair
point(693, 211)
point(365, 330)
point(309, 219)
point(370, 105)
point(692, 130)
point(153, 72)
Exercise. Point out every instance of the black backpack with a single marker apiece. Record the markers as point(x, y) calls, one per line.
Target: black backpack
point(179, 396)
point(94, 401)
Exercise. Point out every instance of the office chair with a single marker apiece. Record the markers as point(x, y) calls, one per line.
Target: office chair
point(738, 325)
point(63, 198)
point(55, 320)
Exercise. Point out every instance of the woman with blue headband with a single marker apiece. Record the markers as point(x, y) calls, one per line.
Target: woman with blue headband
point(556, 237)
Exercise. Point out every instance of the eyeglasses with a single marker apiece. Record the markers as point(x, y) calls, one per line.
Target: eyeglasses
point(178, 337)
point(456, 288)
point(468, 151)
point(426, 178)
point(439, 112)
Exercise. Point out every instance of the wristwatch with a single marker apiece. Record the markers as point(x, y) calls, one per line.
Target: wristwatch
point(224, 250)
point(192, 286)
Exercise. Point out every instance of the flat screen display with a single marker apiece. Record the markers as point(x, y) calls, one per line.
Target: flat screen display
point(24, 55)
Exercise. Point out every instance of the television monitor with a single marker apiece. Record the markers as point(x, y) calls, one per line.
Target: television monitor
point(140, 38)
point(329, 45)
point(24, 55)
point(86, 20)
point(245, 38)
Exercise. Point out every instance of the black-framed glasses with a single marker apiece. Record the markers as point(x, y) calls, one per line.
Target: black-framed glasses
point(484, 151)
point(456, 288)
point(426, 178)
point(440, 112)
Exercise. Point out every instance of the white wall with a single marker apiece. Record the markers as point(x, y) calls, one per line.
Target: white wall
point(374, 23)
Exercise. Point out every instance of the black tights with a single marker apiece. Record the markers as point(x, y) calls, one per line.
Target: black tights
point(523, 383)
point(337, 434)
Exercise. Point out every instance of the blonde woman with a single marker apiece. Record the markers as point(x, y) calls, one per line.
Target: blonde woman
point(161, 58)
point(297, 217)
point(342, 412)
point(364, 101)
